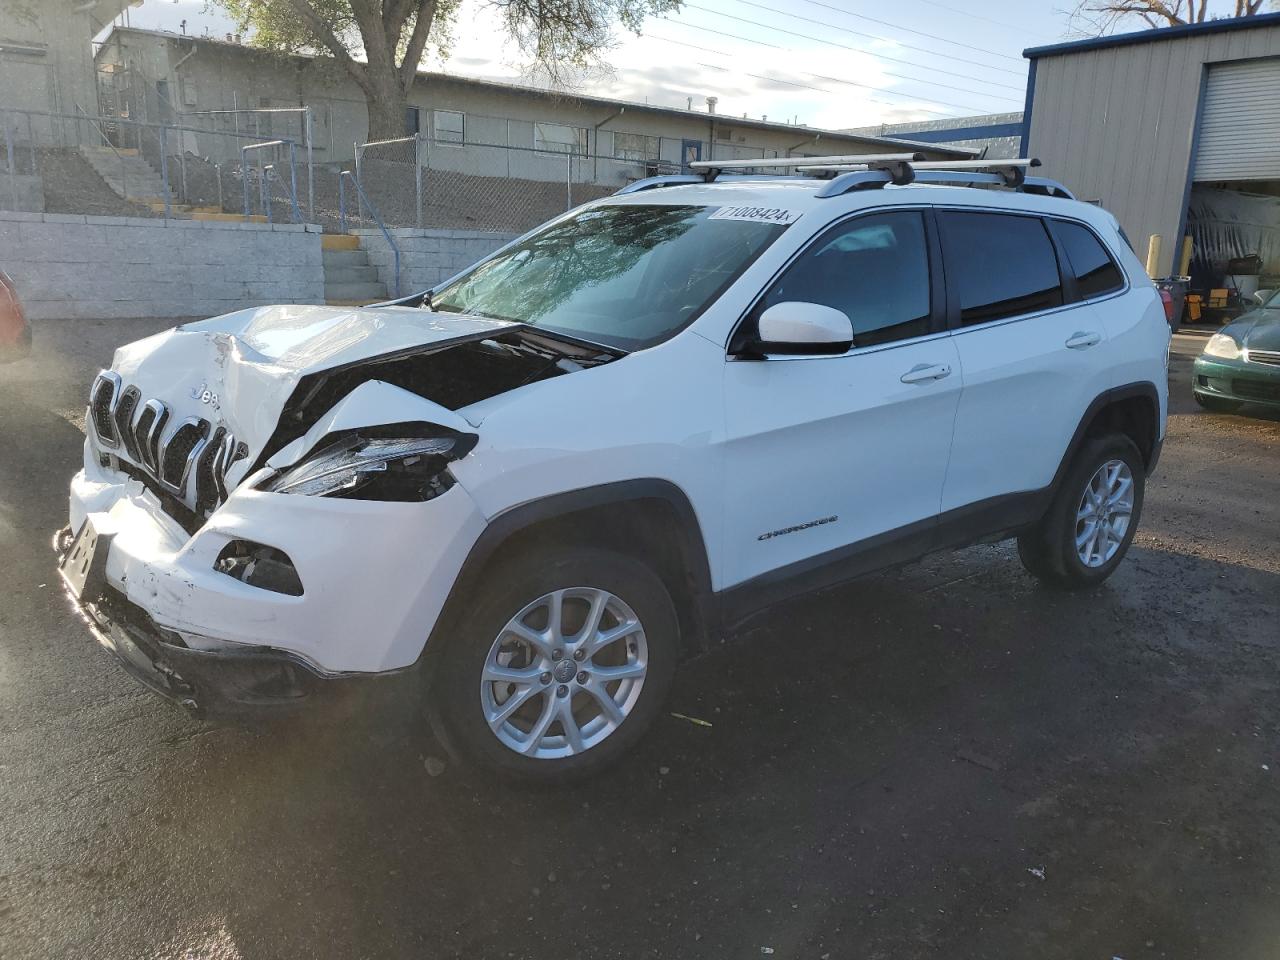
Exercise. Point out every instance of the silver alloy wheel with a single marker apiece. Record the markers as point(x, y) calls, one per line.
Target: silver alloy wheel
point(1104, 513)
point(564, 673)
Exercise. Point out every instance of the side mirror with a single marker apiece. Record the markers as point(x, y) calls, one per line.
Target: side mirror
point(1262, 296)
point(796, 327)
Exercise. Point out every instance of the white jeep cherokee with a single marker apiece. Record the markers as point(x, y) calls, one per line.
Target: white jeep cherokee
point(534, 489)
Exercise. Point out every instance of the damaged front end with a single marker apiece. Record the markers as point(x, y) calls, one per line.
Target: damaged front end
point(266, 504)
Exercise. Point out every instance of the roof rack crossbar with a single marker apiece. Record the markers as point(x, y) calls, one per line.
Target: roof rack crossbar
point(711, 169)
point(875, 171)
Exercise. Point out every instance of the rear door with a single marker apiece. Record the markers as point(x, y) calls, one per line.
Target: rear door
point(1032, 356)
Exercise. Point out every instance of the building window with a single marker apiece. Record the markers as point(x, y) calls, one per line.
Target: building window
point(412, 121)
point(635, 146)
point(560, 138)
point(450, 126)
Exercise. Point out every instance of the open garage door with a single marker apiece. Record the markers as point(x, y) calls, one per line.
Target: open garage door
point(1240, 123)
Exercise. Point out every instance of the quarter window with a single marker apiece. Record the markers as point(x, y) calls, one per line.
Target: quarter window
point(1095, 272)
point(999, 265)
point(875, 269)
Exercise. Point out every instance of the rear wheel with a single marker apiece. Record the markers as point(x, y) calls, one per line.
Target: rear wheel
point(560, 664)
point(1090, 524)
point(1216, 404)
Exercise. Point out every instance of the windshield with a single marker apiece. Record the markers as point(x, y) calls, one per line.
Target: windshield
point(627, 276)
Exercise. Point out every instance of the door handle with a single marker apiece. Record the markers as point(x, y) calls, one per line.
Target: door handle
point(924, 372)
point(1080, 339)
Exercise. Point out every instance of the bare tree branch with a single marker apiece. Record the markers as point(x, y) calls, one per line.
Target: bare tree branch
point(1101, 16)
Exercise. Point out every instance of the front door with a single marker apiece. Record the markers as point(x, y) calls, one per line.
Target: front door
point(829, 458)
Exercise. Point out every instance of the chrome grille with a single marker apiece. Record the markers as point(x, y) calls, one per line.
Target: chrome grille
point(1270, 357)
point(102, 407)
point(190, 462)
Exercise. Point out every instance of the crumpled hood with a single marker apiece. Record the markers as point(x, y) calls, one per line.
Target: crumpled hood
point(237, 371)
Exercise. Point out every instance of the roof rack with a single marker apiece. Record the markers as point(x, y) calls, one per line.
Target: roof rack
point(872, 171)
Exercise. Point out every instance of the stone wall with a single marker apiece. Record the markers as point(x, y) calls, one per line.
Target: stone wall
point(68, 266)
point(427, 256)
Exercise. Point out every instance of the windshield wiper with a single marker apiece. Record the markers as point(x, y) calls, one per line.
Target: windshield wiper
point(581, 343)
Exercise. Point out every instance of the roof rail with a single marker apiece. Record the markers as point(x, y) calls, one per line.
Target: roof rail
point(652, 183)
point(1007, 173)
point(872, 172)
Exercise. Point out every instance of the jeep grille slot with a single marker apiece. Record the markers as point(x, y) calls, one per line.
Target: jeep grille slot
point(126, 406)
point(182, 447)
point(102, 399)
point(207, 495)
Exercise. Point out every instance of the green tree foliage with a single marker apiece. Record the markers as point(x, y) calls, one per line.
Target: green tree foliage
point(381, 43)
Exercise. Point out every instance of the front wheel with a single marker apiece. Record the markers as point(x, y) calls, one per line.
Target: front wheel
point(559, 664)
point(1092, 519)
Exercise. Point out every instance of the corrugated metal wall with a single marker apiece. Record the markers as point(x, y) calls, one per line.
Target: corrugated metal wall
point(1115, 124)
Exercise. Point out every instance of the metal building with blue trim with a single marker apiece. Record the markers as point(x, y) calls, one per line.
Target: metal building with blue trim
point(1138, 121)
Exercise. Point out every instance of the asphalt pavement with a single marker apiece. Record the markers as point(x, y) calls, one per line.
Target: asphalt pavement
point(943, 761)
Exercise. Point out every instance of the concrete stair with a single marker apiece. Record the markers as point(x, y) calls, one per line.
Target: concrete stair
point(132, 177)
point(349, 278)
point(128, 174)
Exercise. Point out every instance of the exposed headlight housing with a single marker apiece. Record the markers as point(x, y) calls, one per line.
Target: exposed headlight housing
point(1222, 345)
point(385, 463)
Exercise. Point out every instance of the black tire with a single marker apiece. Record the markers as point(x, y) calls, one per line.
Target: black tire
point(1216, 404)
point(454, 697)
point(1048, 550)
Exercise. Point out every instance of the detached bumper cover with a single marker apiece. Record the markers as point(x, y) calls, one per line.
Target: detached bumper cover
point(210, 683)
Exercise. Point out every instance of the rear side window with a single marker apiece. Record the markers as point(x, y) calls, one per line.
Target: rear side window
point(875, 269)
point(999, 265)
point(1095, 272)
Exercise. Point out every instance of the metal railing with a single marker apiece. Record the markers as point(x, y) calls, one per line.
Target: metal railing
point(264, 172)
point(143, 163)
point(342, 215)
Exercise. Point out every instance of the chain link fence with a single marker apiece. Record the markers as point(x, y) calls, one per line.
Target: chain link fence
point(117, 166)
point(462, 172)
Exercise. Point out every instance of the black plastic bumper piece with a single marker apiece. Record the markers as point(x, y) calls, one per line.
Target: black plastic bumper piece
point(251, 681)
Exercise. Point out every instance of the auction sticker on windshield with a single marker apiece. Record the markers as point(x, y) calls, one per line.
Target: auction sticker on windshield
point(761, 214)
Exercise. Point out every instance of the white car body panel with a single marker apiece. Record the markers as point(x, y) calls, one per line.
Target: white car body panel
point(757, 447)
point(838, 442)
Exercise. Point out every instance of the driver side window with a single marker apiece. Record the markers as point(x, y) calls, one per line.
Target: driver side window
point(875, 269)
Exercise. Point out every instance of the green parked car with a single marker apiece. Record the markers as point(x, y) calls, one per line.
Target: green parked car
point(1241, 363)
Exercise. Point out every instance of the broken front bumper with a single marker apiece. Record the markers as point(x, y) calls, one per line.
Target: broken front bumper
point(226, 682)
point(373, 576)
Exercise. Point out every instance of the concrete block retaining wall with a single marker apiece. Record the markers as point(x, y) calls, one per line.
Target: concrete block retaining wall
point(427, 256)
point(67, 266)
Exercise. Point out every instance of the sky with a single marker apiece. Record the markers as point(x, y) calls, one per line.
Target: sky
point(824, 63)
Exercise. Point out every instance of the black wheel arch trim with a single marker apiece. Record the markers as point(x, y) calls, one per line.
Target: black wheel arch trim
point(1144, 389)
point(511, 522)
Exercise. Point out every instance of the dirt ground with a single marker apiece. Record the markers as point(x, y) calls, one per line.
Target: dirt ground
point(943, 761)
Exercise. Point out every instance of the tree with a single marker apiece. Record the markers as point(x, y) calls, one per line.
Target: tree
point(381, 43)
point(1101, 16)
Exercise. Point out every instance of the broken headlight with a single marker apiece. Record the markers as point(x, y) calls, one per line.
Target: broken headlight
point(364, 467)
